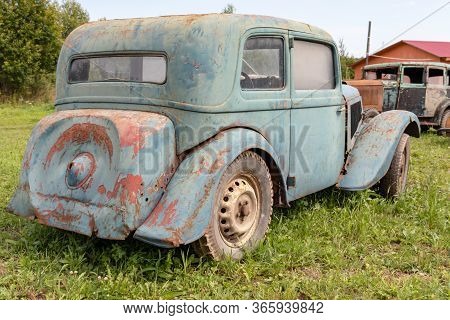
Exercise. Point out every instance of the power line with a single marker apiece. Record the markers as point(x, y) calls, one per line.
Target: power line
point(414, 25)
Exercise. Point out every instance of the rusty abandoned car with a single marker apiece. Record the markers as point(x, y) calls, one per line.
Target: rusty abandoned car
point(188, 129)
point(420, 87)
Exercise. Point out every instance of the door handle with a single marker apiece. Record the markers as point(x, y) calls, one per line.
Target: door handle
point(342, 109)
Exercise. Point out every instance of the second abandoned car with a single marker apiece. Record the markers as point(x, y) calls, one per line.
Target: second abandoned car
point(420, 87)
point(188, 129)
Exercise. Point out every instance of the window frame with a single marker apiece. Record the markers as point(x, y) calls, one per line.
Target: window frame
point(117, 54)
point(444, 80)
point(447, 77)
point(381, 71)
point(336, 72)
point(284, 56)
point(417, 85)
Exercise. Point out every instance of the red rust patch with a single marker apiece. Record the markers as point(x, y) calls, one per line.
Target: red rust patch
point(57, 214)
point(175, 239)
point(155, 213)
point(101, 189)
point(81, 133)
point(132, 134)
point(219, 162)
point(169, 213)
point(27, 158)
point(129, 187)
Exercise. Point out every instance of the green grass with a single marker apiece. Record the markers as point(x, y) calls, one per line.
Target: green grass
point(331, 245)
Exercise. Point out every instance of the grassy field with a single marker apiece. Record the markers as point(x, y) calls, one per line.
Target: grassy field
point(331, 245)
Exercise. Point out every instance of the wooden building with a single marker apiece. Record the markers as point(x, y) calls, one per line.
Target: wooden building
point(407, 50)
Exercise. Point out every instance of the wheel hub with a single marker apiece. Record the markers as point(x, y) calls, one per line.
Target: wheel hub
point(239, 210)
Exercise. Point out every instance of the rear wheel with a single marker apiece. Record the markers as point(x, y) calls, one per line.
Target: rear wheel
point(445, 123)
point(394, 182)
point(242, 210)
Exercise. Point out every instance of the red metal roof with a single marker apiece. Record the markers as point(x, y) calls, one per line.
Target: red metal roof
point(438, 48)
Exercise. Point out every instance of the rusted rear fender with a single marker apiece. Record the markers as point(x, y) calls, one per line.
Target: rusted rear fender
point(184, 212)
point(96, 172)
point(375, 145)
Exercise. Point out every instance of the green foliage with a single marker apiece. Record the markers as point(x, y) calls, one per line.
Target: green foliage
point(72, 15)
point(229, 9)
point(347, 61)
point(329, 245)
point(29, 42)
point(31, 35)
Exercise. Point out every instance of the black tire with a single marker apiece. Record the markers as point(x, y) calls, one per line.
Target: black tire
point(243, 201)
point(394, 182)
point(445, 123)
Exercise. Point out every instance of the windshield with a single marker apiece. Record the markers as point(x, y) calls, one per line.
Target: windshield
point(130, 68)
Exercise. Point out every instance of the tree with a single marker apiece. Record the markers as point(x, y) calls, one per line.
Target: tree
point(31, 35)
point(347, 60)
point(72, 15)
point(30, 40)
point(229, 9)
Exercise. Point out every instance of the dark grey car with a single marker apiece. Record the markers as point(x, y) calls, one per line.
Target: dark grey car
point(419, 87)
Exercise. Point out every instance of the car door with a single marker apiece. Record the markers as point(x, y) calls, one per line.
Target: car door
point(436, 92)
point(317, 116)
point(411, 95)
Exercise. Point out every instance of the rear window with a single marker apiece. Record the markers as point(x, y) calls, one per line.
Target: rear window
point(130, 68)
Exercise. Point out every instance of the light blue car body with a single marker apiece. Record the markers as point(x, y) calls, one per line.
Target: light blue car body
point(121, 158)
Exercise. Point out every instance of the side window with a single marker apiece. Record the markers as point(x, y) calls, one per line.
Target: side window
point(263, 63)
point(448, 77)
point(382, 74)
point(413, 75)
point(436, 76)
point(313, 66)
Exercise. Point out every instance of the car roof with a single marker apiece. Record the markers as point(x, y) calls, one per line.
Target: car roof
point(405, 63)
point(174, 23)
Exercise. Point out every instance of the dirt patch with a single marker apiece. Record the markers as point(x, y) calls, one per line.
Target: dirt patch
point(400, 276)
point(303, 296)
point(312, 273)
point(35, 295)
point(2, 269)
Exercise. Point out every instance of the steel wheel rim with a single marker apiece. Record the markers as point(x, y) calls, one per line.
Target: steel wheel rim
point(239, 210)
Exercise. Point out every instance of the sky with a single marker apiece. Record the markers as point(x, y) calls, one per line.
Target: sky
point(343, 19)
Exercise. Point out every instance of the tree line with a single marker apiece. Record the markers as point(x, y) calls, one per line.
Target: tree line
point(31, 35)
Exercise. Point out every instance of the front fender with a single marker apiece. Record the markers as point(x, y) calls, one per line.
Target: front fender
point(184, 211)
point(374, 149)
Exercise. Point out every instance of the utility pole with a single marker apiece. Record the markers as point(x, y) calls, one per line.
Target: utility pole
point(368, 43)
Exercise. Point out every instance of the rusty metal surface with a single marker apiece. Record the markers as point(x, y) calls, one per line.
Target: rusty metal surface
point(404, 63)
point(184, 211)
point(202, 52)
point(375, 145)
point(88, 170)
point(390, 97)
point(426, 100)
point(371, 92)
point(412, 99)
point(436, 96)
